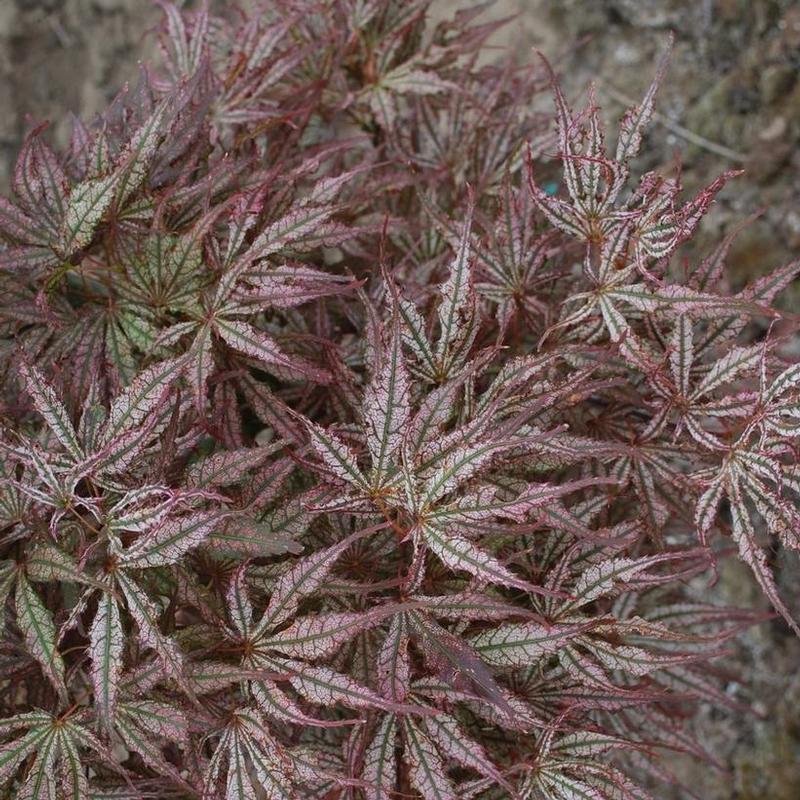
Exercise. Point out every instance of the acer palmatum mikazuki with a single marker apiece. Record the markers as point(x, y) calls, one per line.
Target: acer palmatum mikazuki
point(342, 460)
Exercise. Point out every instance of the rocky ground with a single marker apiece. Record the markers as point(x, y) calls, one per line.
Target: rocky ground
point(731, 100)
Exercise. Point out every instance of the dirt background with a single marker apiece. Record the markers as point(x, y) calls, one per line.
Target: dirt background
point(731, 100)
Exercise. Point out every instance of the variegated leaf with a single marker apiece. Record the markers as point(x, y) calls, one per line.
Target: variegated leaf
point(107, 643)
point(301, 580)
point(131, 408)
point(39, 631)
point(320, 635)
point(428, 775)
point(456, 307)
point(13, 753)
point(387, 407)
point(246, 339)
point(745, 537)
point(145, 613)
point(454, 743)
point(380, 761)
point(88, 202)
point(459, 553)
point(50, 407)
point(171, 540)
point(337, 456)
point(325, 687)
point(524, 643)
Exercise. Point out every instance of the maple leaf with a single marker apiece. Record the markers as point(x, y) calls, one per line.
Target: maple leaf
point(339, 457)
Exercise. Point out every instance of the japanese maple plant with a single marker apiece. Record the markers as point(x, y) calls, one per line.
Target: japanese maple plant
point(347, 453)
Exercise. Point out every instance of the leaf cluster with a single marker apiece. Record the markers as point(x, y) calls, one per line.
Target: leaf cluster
point(343, 456)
